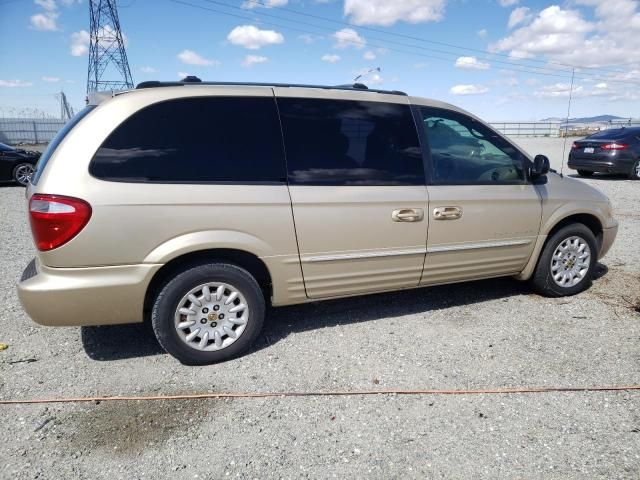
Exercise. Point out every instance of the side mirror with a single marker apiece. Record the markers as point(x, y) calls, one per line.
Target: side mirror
point(540, 167)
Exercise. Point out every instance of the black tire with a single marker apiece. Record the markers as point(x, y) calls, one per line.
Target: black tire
point(634, 174)
point(542, 279)
point(585, 173)
point(18, 172)
point(166, 304)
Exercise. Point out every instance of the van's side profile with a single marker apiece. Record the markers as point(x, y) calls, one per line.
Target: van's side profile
point(197, 205)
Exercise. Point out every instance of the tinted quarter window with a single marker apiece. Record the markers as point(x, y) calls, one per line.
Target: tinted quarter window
point(464, 151)
point(342, 142)
point(56, 141)
point(196, 140)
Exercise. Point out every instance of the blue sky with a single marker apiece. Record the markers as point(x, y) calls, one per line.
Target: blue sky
point(505, 59)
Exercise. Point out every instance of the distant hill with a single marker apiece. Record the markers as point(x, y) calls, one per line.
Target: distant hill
point(598, 118)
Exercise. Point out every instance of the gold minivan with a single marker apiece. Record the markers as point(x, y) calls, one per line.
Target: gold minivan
point(197, 204)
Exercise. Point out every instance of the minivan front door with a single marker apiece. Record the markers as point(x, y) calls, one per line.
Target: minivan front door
point(356, 179)
point(484, 214)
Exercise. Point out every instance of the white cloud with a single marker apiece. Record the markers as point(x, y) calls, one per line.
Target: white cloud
point(553, 31)
point(182, 75)
point(48, 5)
point(375, 79)
point(562, 90)
point(508, 3)
point(249, 4)
point(252, 38)
point(189, 57)
point(44, 21)
point(331, 58)
point(369, 55)
point(348, 37)
point(519, 15)
point(250, 60)
point(79, 43)
point(471, 63)
point(80, 40)
point(50, 79)
point(14, 83)
point(468, 90)
point(388, 12)
point(147, 69)
point(369, 76)
point(308, 38)
point(482, 33)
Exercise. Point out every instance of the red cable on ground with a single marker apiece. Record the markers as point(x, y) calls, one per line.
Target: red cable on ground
point(335, 393)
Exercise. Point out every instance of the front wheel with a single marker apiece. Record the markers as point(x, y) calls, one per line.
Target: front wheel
point(585, 173)
point(567, 262)
point(22, 173)
point(635, 171)
point(208, 314)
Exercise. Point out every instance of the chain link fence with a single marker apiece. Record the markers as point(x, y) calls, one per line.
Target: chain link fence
point(31, 131)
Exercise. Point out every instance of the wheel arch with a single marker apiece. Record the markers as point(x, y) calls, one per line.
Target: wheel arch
point(591, 221)
point(249, 261)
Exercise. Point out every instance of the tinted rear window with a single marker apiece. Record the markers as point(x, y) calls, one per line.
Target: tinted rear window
point(196, 140)
point(340, 142)
point(611, 134)
point(53, 144)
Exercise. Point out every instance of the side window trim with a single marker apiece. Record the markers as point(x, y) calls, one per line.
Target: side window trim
point(416, 111)
point(419, 112)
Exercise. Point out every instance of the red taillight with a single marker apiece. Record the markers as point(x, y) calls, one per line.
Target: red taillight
point(56, 219)
point(574, 146)
point(615, 146)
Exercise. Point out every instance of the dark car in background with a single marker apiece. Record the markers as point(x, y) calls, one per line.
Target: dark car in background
point(616, 150)
point(16, 165)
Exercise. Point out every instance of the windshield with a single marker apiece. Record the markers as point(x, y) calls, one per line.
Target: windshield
point(6, 148)
point(53, 144)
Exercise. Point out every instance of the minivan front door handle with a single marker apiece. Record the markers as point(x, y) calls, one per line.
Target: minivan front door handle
point(447, 213)
point(407, 215)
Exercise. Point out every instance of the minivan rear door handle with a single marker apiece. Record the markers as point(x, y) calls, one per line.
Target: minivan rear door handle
point(447, 213)
point(407, 215)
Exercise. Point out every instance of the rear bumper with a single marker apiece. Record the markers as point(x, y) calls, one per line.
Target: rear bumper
point(602, 164)
point(85, 296)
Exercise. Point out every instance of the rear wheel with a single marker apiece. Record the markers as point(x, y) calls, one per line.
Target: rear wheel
point(585, 173)
point(567, 262)
point(635, 171)
point(208, 314)
point(22, 173)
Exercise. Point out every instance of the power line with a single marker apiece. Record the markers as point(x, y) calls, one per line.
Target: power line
point(411, 37)
point(514, 66)
point(444, 52)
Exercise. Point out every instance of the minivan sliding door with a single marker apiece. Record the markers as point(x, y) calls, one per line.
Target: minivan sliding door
point(356, 178)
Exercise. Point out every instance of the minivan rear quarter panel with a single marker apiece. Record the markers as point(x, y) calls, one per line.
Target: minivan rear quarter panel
point(138, 223)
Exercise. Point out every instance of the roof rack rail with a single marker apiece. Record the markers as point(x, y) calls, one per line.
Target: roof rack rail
point(192, 80)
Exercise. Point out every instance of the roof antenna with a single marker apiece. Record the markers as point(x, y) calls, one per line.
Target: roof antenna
point(566, 125)
point(371, 70)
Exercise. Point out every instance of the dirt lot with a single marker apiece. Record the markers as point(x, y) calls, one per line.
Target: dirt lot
point(485, 334)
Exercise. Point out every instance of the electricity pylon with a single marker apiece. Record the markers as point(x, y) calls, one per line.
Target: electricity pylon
point(108, 65)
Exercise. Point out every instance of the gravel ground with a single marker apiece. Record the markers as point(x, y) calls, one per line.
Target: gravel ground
point(485, 334)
